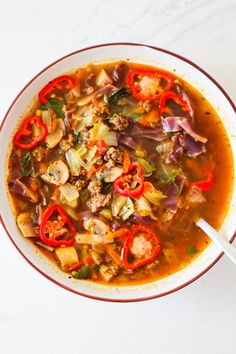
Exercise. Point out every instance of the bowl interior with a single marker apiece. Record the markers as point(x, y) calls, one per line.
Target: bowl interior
point(145, 55)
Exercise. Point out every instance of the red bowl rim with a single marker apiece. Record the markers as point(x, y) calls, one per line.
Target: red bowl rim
point(5, 118)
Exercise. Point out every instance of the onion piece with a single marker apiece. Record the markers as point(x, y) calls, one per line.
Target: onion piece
point(87, 238)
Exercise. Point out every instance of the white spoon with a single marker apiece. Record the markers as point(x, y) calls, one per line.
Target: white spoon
point(224, 244)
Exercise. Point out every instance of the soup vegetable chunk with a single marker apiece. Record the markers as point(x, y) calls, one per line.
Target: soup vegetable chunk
point(112, 166)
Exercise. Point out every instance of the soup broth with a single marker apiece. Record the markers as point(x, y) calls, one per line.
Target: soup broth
point(112, 167)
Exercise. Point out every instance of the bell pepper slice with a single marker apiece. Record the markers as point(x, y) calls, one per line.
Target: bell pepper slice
point(57, 83)
point(122, 183)
point(151, 254)
point(26, 132)
point(206, 184)
point(59, 231)
point(170, 95)
point(154, 84)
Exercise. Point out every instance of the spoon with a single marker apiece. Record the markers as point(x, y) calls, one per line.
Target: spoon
point(228, 249)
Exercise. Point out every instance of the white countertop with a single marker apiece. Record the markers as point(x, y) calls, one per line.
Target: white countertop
point(38, 317)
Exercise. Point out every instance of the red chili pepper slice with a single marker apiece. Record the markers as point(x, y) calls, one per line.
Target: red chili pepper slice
point(51, 232)
point(26, 132)
point(56, 84)
point(170, 95)
point(135, 76)
point(101, 148)
point(149, 257)
point(205, 185)
point(122, 183)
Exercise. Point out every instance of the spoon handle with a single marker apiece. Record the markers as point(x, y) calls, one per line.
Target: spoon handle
point(228, 249)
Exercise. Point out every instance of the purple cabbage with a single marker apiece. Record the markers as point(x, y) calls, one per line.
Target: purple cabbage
point(171, 124)
point(174, 193)
point(191, 147)
point(155, 134)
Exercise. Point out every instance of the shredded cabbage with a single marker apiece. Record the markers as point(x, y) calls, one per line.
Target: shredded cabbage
point(74, 159)
point(127, 210)
point(69, 195)
point(99, 131)
point(111, 139)
point(153, 195)
point(143, 206)
point(118, 201)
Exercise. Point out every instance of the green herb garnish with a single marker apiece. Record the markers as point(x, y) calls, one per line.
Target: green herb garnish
point(96, 267)
point(118, 94)
point(106, 187)
point(25, 168)
point(173, 176)
point(56, 105)
point(192, 250)
point(83, 273)
point(163, 177)
point(136, 116)
point(101, 178)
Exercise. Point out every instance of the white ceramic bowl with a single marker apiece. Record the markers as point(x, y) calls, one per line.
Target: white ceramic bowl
point(104, 53)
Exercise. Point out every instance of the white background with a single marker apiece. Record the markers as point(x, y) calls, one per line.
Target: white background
point(38, 317)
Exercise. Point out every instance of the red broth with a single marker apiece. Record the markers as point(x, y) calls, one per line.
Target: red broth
point(126, 145)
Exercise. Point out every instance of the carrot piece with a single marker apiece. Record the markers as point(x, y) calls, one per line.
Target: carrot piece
point(144, 122)
point(91, 172)
point(152, 116)
point(88, 260)
point(120, 233)
point(126, 162)
point(34, 186)
point(18, 152)
point(56, 193)
point(113, 254)
point(148, 187)
point(54, 125)
point(42, 167)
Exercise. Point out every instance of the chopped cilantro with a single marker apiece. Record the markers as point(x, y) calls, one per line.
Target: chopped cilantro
point(106, 187)
point(136, 116)
point(25, 168)
point(96, 267)
point(56, 105)
point(83, 273)
point(173, 176)
point(101, 178)
point(192, 250)
point(163, 176)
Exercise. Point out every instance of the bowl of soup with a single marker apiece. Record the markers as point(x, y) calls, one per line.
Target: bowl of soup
point(109, 157)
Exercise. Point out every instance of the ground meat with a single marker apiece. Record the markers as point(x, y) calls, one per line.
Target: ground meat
point(67, 143)
point(119, 122)
point(98, 201)
point(80, 184)
point(94, 187)
point(38, 153)
point(113, 156)
point(147, 106)
point(101, 111)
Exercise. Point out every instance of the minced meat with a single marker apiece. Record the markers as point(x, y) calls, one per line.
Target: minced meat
point(66, 144)
point(98, 201)
point(119, 122)
point(113, 156)
point(94, 187)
